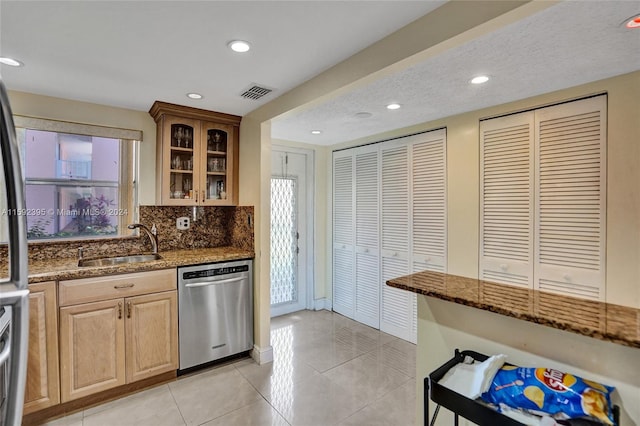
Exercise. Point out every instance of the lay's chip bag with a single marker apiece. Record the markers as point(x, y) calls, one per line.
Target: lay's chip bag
point(552, 392)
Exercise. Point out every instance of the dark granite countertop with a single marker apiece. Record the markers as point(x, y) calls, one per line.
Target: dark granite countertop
point(68, 269)
point(604, 321)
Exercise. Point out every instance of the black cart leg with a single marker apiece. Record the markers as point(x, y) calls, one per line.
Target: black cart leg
point(425, 397)
point(455, 419)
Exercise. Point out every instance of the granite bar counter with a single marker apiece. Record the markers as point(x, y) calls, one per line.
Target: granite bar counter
point(590, 339)
point(604, 321)
point(67, 268)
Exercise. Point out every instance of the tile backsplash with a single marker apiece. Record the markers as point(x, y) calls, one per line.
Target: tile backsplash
point(214, 227)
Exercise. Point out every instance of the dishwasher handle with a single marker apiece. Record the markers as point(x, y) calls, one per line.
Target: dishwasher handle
point(216, 282)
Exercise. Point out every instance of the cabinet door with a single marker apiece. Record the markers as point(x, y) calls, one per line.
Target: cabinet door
point(151, 335)
point(217, 164)
point(92, 354)
point(343, 244)
point(367, 168)
point(43, 381)
point(180, 139)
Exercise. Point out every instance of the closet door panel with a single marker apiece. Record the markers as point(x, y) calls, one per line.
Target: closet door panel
point(367, 168)
point(506, 199)
point(429, 202)
point(571, 200)
point(343, 235)
point(396, 310)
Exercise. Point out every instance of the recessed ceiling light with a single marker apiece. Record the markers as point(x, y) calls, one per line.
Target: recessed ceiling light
point(479, 79)
point(363, 114)
point(316, 132)
point(11, 62)
point(194, 95)
point(393, 106)
point(239, 46)
point(633, 22)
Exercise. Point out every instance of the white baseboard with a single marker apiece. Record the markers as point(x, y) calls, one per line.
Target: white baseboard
point(262, 355)
point(320, 304)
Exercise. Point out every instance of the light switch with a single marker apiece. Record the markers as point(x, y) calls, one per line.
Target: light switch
point(183, 223)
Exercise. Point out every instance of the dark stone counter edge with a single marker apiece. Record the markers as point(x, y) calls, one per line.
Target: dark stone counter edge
point(522, 316)
point(67, 269)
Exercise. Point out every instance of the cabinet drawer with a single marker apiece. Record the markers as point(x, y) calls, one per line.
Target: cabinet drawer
point(85, 290)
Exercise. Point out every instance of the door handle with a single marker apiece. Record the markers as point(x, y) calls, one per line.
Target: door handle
point(119, 310)
point(227, 281)
point(128, 309)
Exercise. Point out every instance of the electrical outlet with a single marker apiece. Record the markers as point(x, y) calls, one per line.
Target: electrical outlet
point(183, 223)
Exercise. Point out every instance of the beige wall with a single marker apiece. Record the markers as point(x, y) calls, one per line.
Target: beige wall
point(82, 112)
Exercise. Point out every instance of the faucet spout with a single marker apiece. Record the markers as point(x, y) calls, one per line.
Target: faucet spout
point(152, 236)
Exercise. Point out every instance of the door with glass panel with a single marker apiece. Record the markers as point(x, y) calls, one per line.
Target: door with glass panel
point(288, 232)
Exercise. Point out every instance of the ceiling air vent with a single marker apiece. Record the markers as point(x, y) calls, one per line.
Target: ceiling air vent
point(255, 92)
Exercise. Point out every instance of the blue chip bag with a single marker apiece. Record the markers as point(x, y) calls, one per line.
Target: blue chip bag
point(552, 392)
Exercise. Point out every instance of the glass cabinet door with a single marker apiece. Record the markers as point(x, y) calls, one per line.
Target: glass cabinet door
point(216, 162)
point(182, 168)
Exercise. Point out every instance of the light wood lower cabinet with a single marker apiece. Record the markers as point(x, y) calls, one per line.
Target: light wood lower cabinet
point(151, 333)
point(108, 343)
point(43, 380)
point(91, 348)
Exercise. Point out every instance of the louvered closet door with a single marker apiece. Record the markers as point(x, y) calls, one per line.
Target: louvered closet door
point(367, 307)
point(570, 203)
point(429, 208)
point(396, 310)
point(429, 203)
point(343, 234)
point(506, 199)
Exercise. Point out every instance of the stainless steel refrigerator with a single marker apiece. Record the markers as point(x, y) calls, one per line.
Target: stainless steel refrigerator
point(14, 293)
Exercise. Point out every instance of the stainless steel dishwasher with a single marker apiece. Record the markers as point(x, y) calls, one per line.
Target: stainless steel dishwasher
point(215, 311)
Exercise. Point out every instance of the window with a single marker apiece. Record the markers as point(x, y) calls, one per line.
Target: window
point(76, 184)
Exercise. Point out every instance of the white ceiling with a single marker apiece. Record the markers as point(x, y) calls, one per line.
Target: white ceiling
point(129, 54)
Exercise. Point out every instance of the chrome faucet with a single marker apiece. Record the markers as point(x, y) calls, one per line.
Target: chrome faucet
point(152, 235)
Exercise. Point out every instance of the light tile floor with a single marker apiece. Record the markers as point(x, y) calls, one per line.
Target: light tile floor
point(327, 370)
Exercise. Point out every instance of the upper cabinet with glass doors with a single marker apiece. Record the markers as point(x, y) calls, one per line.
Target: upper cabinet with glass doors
point(197, 156)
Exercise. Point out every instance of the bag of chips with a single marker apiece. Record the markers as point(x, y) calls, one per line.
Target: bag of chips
point(548, 391)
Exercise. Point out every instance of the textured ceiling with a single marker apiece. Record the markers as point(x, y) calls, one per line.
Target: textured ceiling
point(568, 44)
point(130, 53)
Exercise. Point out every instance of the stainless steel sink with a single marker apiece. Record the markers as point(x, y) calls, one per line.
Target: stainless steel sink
point(118, 260)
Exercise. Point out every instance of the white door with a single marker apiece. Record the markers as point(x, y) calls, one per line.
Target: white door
point(396, 306)
point(367, 291)
point(291, 204)
point(343, 234)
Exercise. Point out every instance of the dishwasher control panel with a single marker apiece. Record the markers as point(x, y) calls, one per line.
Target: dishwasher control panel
point(204, 273)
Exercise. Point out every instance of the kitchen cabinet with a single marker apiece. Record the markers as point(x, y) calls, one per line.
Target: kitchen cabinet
point(116, 330)
point(197, 156)
point(43, 382)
